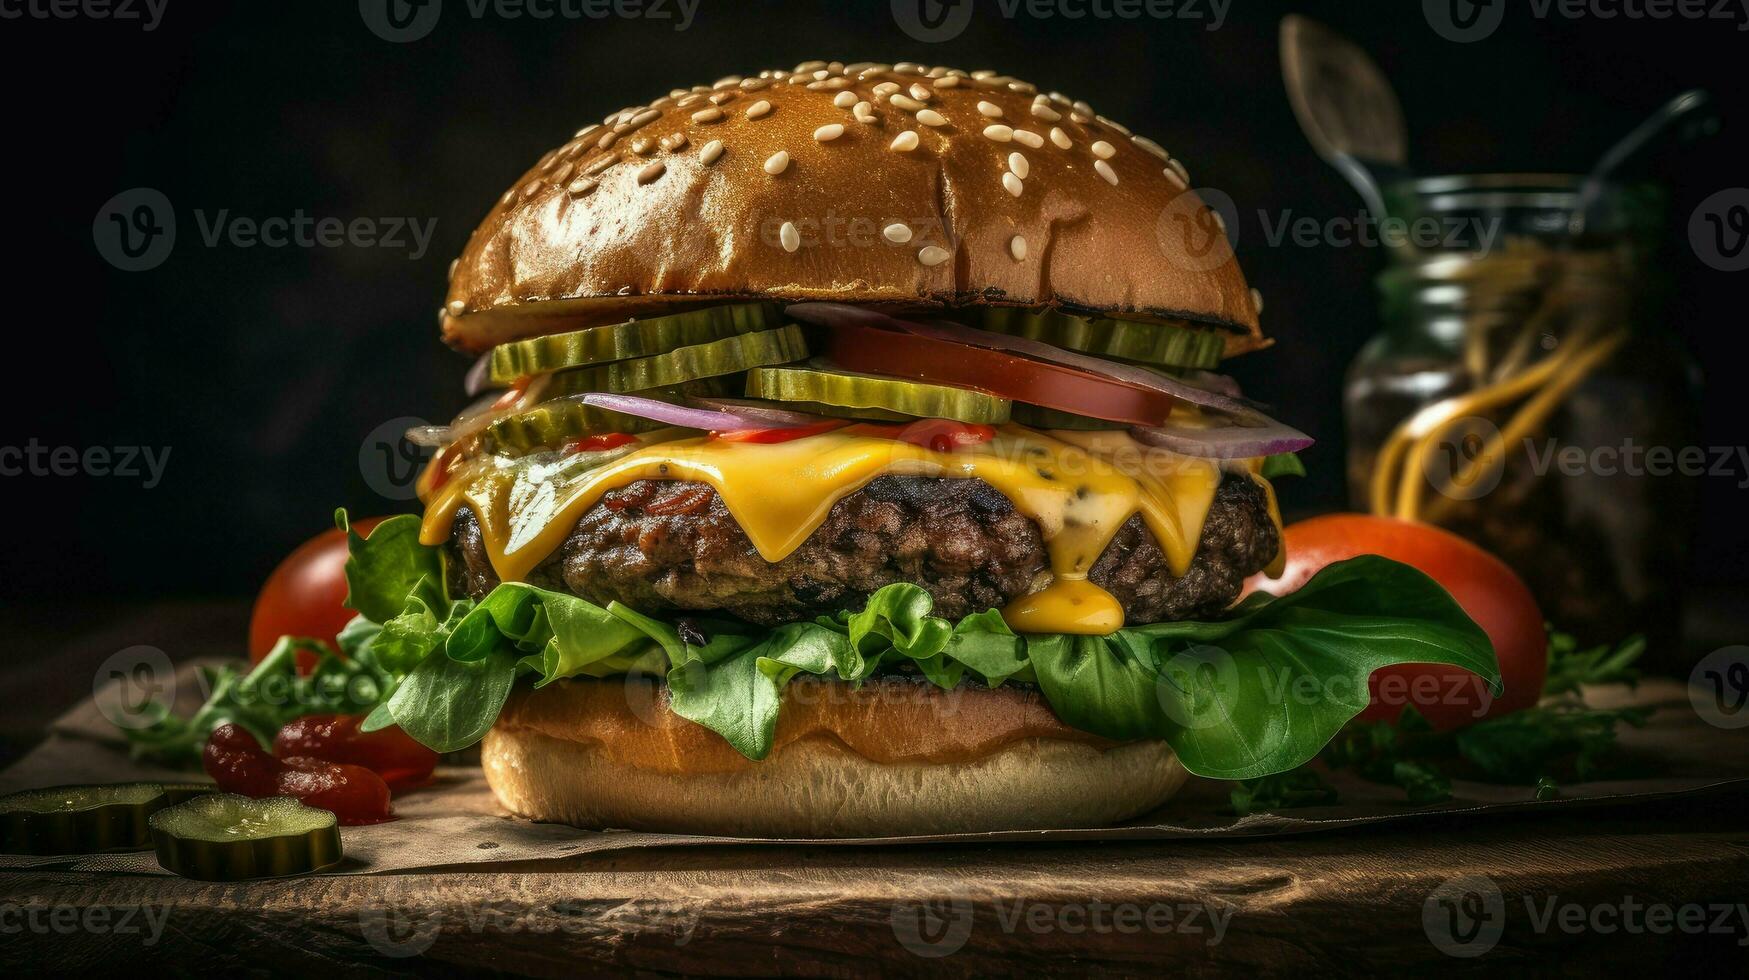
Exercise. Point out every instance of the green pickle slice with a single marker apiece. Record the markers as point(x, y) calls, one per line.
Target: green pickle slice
point(551, 424)
point(86, 819)
point(1131, 340)
point(635, 338)
point(844, 389)
point(225, 837)
point(731, 355)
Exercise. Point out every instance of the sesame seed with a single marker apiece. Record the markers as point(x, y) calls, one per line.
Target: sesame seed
point(1060, 138)
point(990, 109)
point(789, 236)
point(1220, 221)
point(1028, 138)
point(606, 140)
point(886, 88)
point(708, 154)
point(808, 66)
point(898, 234)
point(726, 81)
point(921, 92)
point(457, 307)
point(1045, 112)
point(1105, 171)
point(1257, 302)
point(1178, 170)
point(642, 145)
point(1084, 109)
point(829, 132)
point(947, 81)
point(864, 113)
point(844, 100)
point(1151, 146)
point(563, 173)
point(933, 255)
point(1059, 98)
point(1012, 184)
point(686, 100)
point(999, 133)
point(580, 187)
point(756, 110)
point(777, 163)
point(651, 172)
point(1017, 248)
point(753, 84)
point(674, 141)
point(1017, 163)
point(822, 74)
point(454, 263)
point(587, 131)
point(905, 102)
point(983, 73)
point(1120, 127)
point(711, 115)
point(905, 142)
point(929, 117)
point(1103, 150)
point(1023, 88)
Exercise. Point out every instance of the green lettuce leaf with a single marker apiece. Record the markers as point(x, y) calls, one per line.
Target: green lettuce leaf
point(382, 570)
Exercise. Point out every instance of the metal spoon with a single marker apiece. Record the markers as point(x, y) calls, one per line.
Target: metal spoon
point(1693, 107)
point(1346, 107)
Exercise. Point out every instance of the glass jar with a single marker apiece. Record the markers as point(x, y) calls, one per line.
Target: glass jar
point(1524, 394)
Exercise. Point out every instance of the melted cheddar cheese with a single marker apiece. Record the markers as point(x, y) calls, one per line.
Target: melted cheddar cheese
point(1079, 488)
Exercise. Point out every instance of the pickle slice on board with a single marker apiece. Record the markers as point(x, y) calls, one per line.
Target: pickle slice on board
point(226, 837)
point(1150, 343)
point(844, 389)
point(86, 819)
point(634, 338)
point(1037, 417)
point(731, 355)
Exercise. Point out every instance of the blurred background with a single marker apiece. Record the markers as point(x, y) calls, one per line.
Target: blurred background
point(264, 371)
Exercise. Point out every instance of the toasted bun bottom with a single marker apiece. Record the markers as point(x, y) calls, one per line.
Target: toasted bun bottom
point(815, 785)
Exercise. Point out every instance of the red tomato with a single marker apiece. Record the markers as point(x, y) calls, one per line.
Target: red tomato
point(388, 752)
point(1067, 389)
point(303, 596)
point(238, 764)
point(1493, 595)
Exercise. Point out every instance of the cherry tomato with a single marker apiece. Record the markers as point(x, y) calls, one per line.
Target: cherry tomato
point(1493, 595)
point(772, 436)
point(303, 596)
point(599, 443)
point(940, 435)
point(388, 752)
point(1067, 389)
point(238, 764)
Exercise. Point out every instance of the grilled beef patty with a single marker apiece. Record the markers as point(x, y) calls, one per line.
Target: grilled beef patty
point(664, 545)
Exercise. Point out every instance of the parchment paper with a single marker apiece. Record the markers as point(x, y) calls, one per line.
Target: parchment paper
point(456, 822)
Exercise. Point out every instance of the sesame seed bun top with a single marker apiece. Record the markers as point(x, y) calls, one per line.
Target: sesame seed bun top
point(857, 183)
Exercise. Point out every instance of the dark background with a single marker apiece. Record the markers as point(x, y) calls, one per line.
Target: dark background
point(264, 369)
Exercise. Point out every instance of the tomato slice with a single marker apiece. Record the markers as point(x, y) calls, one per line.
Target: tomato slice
point(770, 436)
point(599, 443)
point(905, 355)
point(940, 435)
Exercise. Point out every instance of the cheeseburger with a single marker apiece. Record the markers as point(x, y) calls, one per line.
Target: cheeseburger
point(850, 460)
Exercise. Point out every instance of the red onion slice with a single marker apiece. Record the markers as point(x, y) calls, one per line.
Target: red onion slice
point(756, 411)
point(711, 420)
point(479, 377)
point(1226, 441)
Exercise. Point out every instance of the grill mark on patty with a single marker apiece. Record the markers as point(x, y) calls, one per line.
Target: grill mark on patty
point(666, 545)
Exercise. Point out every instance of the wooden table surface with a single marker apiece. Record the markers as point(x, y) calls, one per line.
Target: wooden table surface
point(1642, 887)
point(1347, 903)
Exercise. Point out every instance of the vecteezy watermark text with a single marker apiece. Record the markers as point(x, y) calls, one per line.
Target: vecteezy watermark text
point(1465, 21)
point(403, 21)
point(938, 927)
point(146, 921)
point(127, 462)
point(147, 13)
point(933, 21)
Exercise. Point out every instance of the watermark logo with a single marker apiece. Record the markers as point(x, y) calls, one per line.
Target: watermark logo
point(932, 21)
point(135, 230)
point(1719, 230)
point(934, 928)
point(400, 21)
point(399, 933)
point(1198, 687)
point(1199, 231)
point(1464, 21)
point(1467, 460)
point(1464, 916)
point(1719, 687)
point(130, 684)
point(389, 463)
